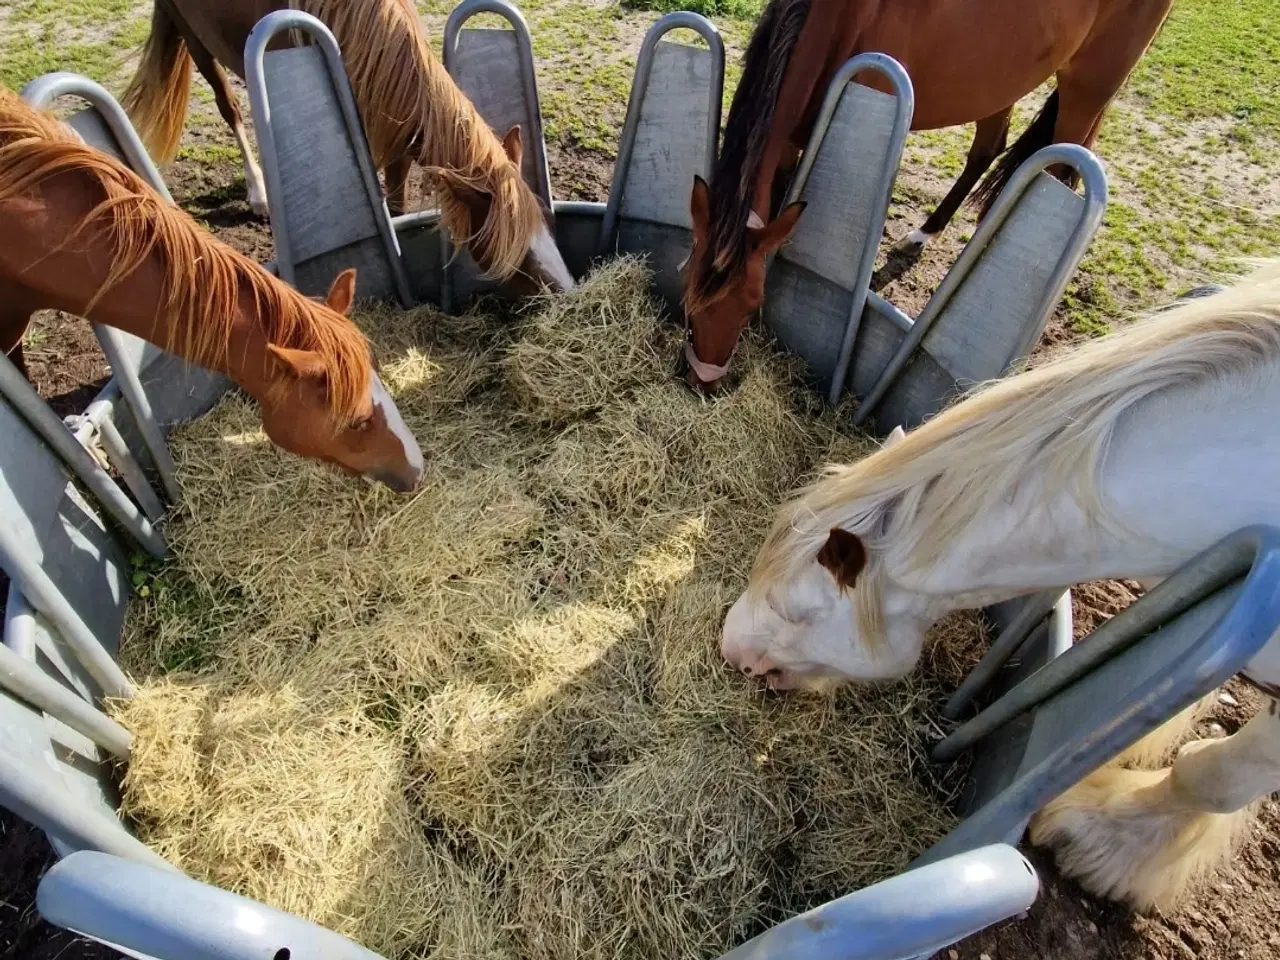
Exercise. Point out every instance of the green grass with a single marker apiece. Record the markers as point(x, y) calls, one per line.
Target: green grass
point(1217, 59)
point(737, 9)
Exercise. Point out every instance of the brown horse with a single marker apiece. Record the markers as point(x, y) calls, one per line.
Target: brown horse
point(411, 108)
point(968, 60)
point(85, 235)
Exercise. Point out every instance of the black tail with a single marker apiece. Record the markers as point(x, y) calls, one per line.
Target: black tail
point(1037, 136)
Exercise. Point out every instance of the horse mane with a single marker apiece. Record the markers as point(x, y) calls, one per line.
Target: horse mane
point(921, 493)
point(412, 107)
point(205, 282)
point(746, 135)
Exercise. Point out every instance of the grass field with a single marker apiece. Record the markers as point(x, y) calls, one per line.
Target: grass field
point(1190, 149)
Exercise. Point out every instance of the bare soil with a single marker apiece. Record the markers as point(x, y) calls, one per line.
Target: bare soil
point(1231, 919)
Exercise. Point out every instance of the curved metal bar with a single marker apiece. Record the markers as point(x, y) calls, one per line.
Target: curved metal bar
point(166, 916)
point(914, 914)
point(41, 94)
point(680, 20)
point(1253, 552)
point(43, 91)
point(904, 93)
point(255, 49)
point(528, 78)
point(1095, 196)
point(22, 396)
point(1034, 610)
point(452, 32)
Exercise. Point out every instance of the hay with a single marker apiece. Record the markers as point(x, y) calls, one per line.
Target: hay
point(491, 720)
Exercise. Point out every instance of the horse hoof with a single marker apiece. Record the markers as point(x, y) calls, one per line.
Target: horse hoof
point(913, 243)
point(259, 207)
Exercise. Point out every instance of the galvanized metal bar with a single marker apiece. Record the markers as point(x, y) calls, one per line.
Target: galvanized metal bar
point(41, 94)
point(44, 595)
point(27, 682)
point(97, 422)
point(914, 914)
point(1034, 609)
point(679, 20)
point(1095, 196)
point(35, 794)
point(255, 49)
point(165, 916)
point(23, 397)
point(1254, 550)
point(904, 95)
point(458, 18)
point(453, 27)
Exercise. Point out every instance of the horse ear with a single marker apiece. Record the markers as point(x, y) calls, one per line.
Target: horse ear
point(844, 556)
point(343, 291)
point(772, 235)
point(476, 202)
point(896, 435)
point(700, 209)
point(302, 364)
point(513, 145)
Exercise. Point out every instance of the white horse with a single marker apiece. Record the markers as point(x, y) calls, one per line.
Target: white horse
point(1122, 459)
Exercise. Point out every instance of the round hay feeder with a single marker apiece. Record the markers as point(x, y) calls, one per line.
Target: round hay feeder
point(70, 571)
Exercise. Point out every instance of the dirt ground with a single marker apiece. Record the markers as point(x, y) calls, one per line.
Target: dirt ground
point(1233, 918)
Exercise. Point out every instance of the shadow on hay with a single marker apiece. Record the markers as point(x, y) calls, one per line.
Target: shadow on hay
point(520, 740)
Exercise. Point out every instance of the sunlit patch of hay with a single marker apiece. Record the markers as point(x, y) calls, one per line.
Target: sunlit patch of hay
point(491, 719)
point(587, 346)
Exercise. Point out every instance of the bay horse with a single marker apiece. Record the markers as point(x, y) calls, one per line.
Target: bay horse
point(411, 109)
point(85, 235)
point(969, 60)
point(1124, 458)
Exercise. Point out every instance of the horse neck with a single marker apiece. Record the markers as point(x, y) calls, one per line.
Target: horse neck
point(137, 306)
point(1184, 468)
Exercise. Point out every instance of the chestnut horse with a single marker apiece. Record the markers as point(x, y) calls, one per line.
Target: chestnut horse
point(968, 60)
point(411, 108)
point(1125, 458)
point(85, 235)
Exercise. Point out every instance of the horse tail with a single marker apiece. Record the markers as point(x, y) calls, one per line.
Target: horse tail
point(156, 98)
point(1037, 136)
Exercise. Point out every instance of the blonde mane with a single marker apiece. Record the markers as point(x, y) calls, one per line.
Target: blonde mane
point(205, 281)
point(412, 107)
point(921, 493)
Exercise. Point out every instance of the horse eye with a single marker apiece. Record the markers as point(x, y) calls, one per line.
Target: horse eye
point(362, 424)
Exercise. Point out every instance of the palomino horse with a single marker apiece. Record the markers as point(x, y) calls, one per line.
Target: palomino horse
point(968, 60)
point(1124, 458)
point(85, 235)
point(411, 108)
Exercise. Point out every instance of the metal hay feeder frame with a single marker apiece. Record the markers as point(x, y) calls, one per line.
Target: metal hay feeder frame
point(1058, 711)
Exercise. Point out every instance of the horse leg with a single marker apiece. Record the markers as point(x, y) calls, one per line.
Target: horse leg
point(1144, 835)
point(989, 141)
point(230, 110)
point(1095, 73)
point(17, 304)
point(397, 173)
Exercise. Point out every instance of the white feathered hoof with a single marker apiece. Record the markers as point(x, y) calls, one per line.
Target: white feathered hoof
point(1123, 835)
point(913, 243)
point(258, 203)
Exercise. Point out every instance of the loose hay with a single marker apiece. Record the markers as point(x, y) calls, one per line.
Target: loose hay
point(491, 720)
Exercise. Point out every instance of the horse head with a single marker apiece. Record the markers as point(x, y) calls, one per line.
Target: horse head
point(724, 283)
point(506, 227)
point(805, 622)
point(298, 409)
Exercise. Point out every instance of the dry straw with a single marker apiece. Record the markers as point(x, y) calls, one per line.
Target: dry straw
point(491, 720)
